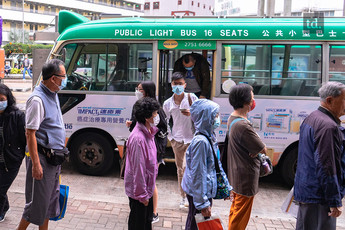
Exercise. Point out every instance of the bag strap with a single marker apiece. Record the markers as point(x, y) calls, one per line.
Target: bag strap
point(190, 100)
point(234, 121)
point(214, 154)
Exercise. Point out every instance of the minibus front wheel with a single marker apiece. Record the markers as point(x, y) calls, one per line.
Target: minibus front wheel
point(92, 154)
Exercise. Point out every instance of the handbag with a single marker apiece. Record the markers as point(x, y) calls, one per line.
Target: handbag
point(123, 161)
point(64, 190)
point(266, 167)
point(212, 223)
point(223, 186)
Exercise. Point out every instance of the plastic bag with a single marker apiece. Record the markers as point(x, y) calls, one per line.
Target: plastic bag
point(212, 223)
point(64, 191)
point(290, 206)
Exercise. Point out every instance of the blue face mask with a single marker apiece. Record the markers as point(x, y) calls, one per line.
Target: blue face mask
point(63, 83)
point(178, 89)
point(3, 105)
point(216, 122)
point(189, 68)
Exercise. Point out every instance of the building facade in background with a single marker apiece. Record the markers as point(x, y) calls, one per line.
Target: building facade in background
point(178, 7)
point(298, 7)
point(40, 14)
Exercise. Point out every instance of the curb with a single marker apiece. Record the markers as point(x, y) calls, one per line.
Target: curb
point(20, 89)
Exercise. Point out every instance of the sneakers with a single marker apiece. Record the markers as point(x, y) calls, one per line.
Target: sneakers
point(2, 217)
point(184, 203)
point(155, 218)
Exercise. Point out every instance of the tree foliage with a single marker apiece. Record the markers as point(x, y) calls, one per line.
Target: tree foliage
point(23, 48)
point(16, 36)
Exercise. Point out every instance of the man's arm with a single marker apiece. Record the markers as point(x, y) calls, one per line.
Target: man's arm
point(205, 80)
point(34, 116)
point(328, 151)
point(37, 171)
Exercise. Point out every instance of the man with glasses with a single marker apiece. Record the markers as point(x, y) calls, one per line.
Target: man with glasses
point(45, 132)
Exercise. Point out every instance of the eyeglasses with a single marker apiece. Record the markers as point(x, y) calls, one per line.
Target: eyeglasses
point(58, 75)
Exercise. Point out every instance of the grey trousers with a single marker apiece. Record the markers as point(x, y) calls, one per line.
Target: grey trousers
point(42, 196)
point(314, 217)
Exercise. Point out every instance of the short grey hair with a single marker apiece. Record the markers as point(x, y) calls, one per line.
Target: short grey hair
point(331, 89)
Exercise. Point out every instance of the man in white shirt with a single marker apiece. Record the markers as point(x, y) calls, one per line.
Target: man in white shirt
point(182, 130)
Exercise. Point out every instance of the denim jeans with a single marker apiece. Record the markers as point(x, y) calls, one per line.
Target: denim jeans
point(24, 71)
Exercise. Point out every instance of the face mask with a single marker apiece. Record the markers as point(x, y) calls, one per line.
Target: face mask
point(63, 83)
point(178, 89)
point(3, 105)
point(253, 105)
point(139, 94)
point(156, 121)
point(216, 122)
point(189, 68)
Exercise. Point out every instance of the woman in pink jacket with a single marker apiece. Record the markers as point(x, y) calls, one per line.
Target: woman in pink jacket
point(141, 164)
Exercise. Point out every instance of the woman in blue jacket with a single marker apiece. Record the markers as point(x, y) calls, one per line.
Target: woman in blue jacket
point(199, 180)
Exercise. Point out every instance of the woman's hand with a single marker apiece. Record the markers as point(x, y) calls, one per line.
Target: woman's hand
point(146, 202)
point(206, 212)
point(128, 123)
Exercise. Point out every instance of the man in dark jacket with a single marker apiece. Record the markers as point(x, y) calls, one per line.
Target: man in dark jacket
point(320, 175)
point(196, 70)
point(12, 144)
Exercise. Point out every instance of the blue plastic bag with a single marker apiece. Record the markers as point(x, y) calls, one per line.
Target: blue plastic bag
point(64, 190)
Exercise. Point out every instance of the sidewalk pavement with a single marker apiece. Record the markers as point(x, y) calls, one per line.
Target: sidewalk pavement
point(97, 203)
point(97, 215)
point(17, 84)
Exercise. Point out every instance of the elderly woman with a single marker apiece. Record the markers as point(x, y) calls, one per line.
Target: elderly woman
point(199, 180)
point(148, 89)
point(12, 144)
point(243, 147)
point(141, 164)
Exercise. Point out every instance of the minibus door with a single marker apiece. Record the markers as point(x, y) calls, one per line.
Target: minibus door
point(165, 71)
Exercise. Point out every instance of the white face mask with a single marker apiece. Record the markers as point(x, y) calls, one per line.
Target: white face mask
point(139, 94)
point(156, 121)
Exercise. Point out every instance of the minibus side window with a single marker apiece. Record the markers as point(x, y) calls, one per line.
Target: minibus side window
point(285, 70)
point(337, 63)
point(109, 67)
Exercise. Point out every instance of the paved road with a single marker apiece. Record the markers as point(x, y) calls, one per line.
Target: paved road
point(97, 203)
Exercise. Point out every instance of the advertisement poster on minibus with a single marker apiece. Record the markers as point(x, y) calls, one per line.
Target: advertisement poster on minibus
point(273, 119)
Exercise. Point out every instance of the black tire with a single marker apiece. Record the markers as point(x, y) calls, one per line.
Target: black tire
point(289, 166)
point(92, 154)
